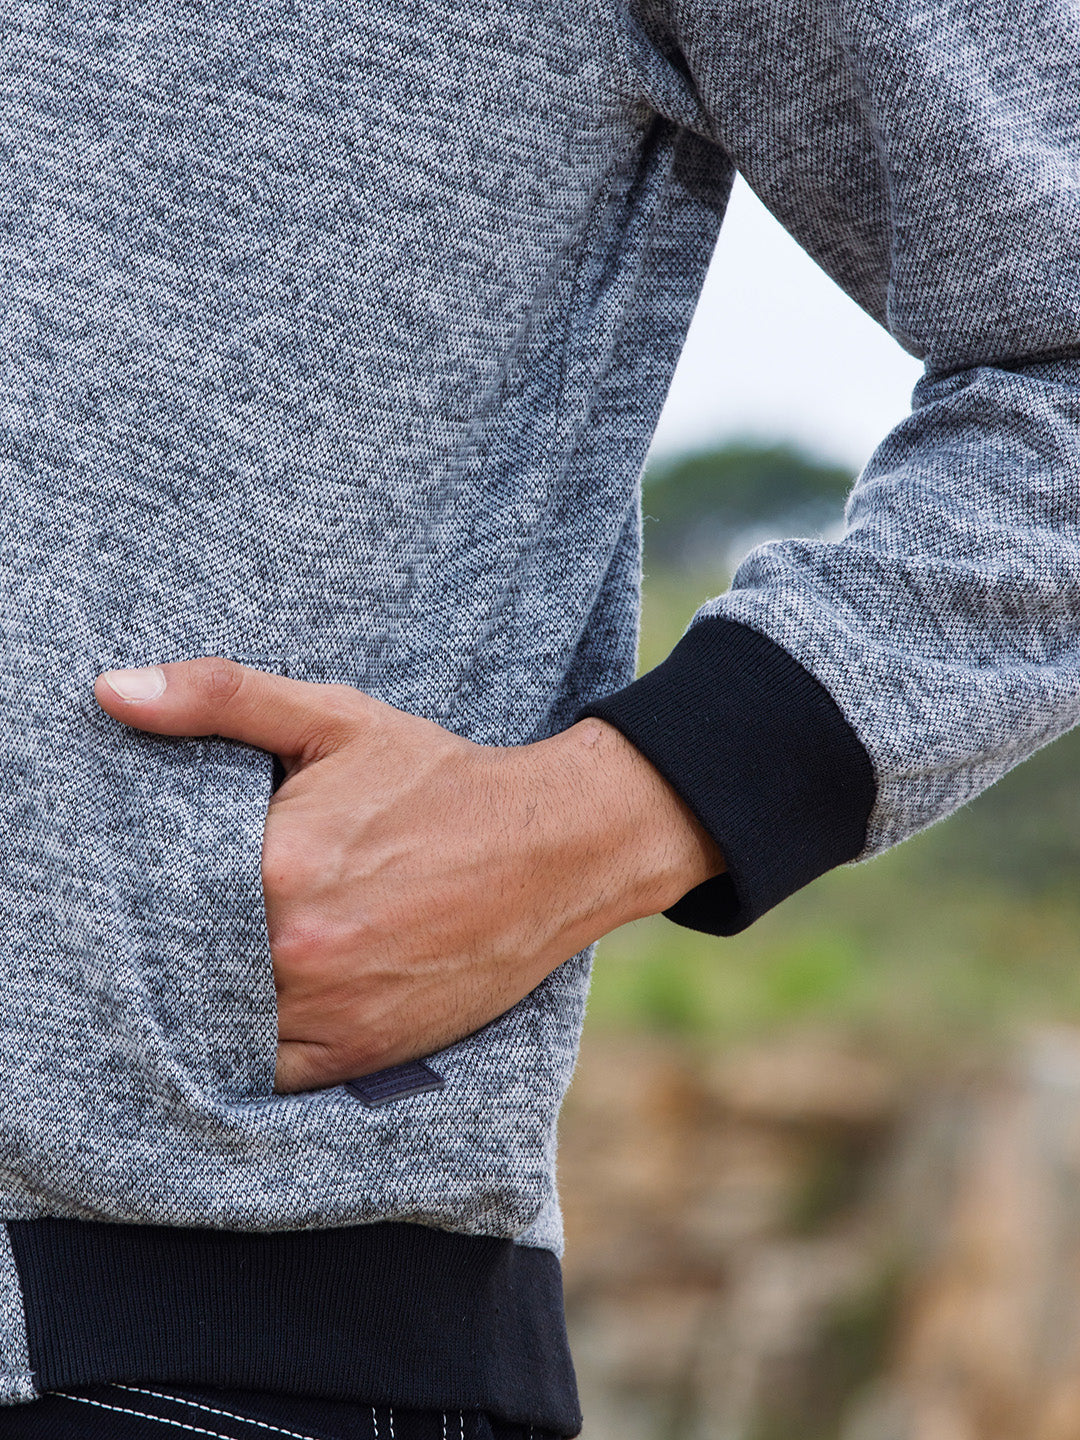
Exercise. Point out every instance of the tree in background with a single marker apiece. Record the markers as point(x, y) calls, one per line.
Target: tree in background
point(705, 507)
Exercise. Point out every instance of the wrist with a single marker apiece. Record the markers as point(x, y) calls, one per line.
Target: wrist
point(635, 840)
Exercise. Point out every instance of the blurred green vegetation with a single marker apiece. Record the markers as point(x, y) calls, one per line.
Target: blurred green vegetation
point(700, 504)
point(954, 938)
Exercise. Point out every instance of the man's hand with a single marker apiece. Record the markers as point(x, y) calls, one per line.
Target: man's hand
point(418, 885)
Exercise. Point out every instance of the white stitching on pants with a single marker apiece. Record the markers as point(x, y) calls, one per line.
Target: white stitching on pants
point(461, 1424)
point(444, 1425)
point(140, 1415)
point(391, 1422)
point(226, 1414)
point(375, 1422)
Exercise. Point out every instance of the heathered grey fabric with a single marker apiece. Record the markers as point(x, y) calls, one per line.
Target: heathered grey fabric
point(928, 156)
point(331, 339)
point(16, 1380)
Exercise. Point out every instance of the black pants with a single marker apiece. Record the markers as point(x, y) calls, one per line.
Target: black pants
point(165, 1412)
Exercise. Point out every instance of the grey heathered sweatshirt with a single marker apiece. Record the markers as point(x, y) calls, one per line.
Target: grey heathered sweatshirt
point(332, 336)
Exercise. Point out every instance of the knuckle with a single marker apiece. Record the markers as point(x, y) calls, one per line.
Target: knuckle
point(217, 679)
point(300, 947)
point(341, 705)
point(331, 721)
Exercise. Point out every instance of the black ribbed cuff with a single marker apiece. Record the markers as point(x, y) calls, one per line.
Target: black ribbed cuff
point(763, 756)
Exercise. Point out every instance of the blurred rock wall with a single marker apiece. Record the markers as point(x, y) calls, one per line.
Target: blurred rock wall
point(801, 1240)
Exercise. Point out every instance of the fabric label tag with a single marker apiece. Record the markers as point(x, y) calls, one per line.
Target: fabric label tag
point(396, 1083)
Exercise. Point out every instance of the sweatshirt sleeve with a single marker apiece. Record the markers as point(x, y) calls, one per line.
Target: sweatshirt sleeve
point(844, 695)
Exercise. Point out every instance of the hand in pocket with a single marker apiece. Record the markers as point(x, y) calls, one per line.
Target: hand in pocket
point(418, 885)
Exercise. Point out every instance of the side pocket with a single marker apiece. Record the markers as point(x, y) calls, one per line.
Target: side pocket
point(232, 1025)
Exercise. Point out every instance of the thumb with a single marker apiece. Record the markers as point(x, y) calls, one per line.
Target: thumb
point(213, 696)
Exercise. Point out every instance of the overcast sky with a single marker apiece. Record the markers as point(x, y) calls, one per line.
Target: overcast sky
point(778, 352)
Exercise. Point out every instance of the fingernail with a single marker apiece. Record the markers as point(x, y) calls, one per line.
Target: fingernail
point(146, 683)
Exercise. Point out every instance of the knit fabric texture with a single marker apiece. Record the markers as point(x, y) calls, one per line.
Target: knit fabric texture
point(332, 337)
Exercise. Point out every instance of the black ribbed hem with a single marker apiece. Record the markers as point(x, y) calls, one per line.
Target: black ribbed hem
point(763, 756)
point(389, 1313)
